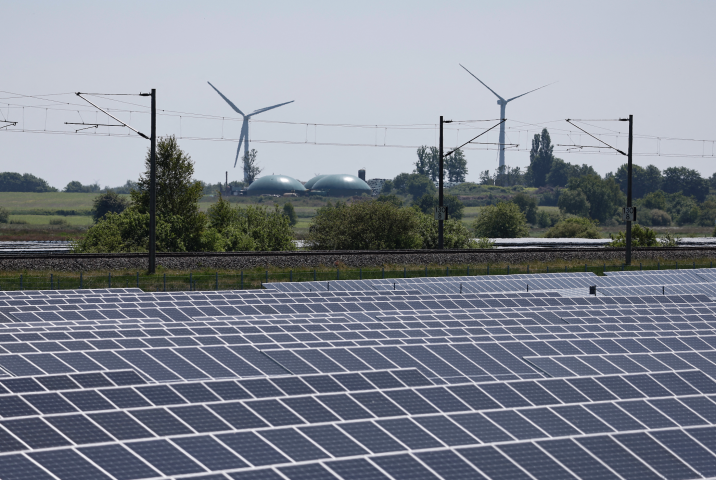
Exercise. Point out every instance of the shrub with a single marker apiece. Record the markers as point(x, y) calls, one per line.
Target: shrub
point(18, 222)
point(669, 240)
point(504, 220)
point(660, 218)
point(640, 237)
point(688, 216)
point(574, 202)
point(106, 203)
point(391, 198)
point(368, 225)
point(58, 221)
point(428, 202)
point(575, 227)
point(4, 215)
point(290, 213)
point(455, 234)
point(484, 242)
point(547, 219)
point(528, 206)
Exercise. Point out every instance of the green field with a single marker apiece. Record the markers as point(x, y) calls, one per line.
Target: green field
point(14, 201)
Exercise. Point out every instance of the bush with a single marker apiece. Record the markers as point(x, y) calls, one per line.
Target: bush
point(547, 219)
point(106, 203)
point(59, 221)
point(455, 234)
point(528, 206)
point(660, 218)
point(574, 202)
point(414, 184)
point(368, 225)
point(640, 237)
point(18, 222)
point(290, 213)
point(4, 215)
point(484, 242)
point(428, 202)
point(669, 240)
point(575, 227)
point(688, 216)
point(504, 220)
point(391, 198)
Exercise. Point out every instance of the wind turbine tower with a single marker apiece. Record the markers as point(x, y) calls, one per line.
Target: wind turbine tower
point(503, 104)
point(244, 137)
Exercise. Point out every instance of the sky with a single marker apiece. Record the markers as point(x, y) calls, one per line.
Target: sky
point(383, 70)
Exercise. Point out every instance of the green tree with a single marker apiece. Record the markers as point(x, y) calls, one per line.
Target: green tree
point(574, 202)
point(687, 181)
point(290, 213)
point(504, 220)
point(367, 225)
point(654, 200)
point(527, 205)
point(575, 227)
point(413, 184)
point(422, 164)
point(76, 187)
point(644, 180)
point(106, 203)
point(506, 176)
point(546, 219)
point(15, 182)
point(541, 158)
point(640, 237)
point(559, 174)
point(428, 202)
point(456, 166)
point(4, 215)
point(455, 234)
point(251, 168)
point(178, 194)
point(221, 216)
point(391, 198)
point(604, 196)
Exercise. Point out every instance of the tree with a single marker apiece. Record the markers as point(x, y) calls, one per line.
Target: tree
point(178, 194)
point(575, 227)
point(527, 205)
point(251, 169)
point(486, 178)
point(455, 234)
point(290, 213)
point(428, 202)
point(391, 198)
point(644, 180)
point(654, 200)
point(546, 219)
point(687, 181)
point(76, 187)
point(422, 164)
point(574, 202)
point(106, 203)
point(604, 196)
point(504, 220)
point(413, 184)
point(15, 182)
point(4, 215)
point(456, 166)
point(506, 176)
point(541, 158)
point(559, 174)
point(368, 225)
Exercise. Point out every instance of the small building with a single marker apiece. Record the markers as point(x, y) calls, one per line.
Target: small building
point(275, 185)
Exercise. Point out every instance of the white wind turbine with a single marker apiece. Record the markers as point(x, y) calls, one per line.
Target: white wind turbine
point(503, 104)
point(245, 126)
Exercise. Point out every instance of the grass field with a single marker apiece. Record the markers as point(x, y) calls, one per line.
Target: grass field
point(74, 220)
point(47, 201)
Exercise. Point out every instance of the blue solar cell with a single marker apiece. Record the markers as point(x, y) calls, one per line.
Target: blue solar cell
point(535, 461)
point(356, 469)
point(616, 457)
point(403, 467)
point(118, 462)
point(120, 425)
point(493, 464)
point(165, 457)
point(293, 444)
point(371, 437)
point(212, 454)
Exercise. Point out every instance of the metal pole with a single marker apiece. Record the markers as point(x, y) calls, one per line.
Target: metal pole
point(440, 186)
point(629, 157)
point(153, 188)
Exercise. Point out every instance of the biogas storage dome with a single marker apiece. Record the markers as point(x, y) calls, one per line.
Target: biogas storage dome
point(275, 185)
point(342, 186)
point(309, 184)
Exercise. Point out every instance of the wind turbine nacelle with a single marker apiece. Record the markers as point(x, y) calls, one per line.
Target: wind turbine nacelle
point(501, 102)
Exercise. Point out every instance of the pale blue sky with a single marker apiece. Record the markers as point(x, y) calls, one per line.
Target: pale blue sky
point(369, 63)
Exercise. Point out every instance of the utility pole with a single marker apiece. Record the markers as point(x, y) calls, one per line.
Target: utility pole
point(153, 188)
point(628, 223)
point(440, 189)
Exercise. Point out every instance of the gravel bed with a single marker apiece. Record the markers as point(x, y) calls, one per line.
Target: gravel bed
point(237, 261)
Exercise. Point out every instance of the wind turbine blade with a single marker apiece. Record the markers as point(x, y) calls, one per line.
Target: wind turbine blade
point(244, 135)
point(518, 96)
point(261, 110)
point(468, 71)
point(227, 100)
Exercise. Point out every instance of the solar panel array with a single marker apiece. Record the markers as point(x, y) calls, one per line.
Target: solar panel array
point(451, 377)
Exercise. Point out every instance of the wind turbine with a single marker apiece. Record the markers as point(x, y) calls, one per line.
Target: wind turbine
point(503, 104)
point(245, 126)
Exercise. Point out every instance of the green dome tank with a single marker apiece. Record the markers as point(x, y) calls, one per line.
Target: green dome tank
point(342, 186)
point(275, 185)
point(309, 184)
